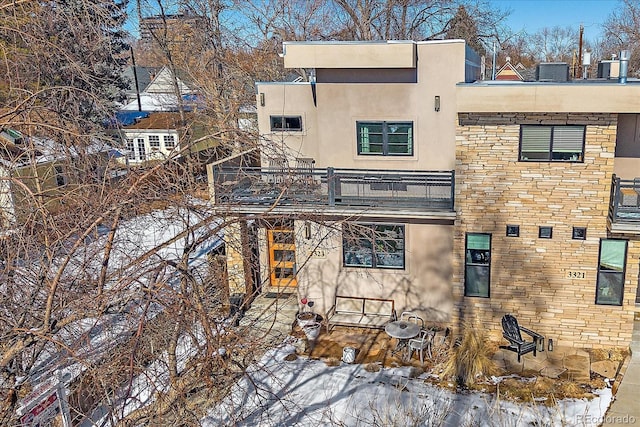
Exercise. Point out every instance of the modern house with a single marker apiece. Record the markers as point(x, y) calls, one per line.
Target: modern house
point(393, 174)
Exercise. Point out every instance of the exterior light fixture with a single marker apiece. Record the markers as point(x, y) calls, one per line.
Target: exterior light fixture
point(262, 99)
point(436, 103)
point(307, 230)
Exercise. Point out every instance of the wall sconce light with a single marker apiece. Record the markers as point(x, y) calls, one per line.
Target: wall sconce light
point(307, 230)
point(436, 103)
point(262, 99)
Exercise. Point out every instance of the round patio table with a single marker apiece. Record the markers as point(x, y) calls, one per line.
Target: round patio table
point(403, 331)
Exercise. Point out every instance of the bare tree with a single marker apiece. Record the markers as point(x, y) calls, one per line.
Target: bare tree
point(622, 32)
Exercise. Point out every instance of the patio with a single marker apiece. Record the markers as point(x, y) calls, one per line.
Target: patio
point(374, 349)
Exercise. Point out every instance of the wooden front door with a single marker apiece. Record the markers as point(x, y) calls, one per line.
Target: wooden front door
point(282, 255)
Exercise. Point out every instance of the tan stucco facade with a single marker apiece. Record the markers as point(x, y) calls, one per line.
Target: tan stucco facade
point(329, 127)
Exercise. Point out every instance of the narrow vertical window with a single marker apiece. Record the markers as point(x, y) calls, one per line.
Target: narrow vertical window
point(477, 265)
point(611, 269)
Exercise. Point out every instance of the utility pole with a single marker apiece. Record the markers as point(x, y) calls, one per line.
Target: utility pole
point(580, 52)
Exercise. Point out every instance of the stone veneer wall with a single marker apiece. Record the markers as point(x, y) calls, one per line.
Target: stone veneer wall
point(530, 276)
point(234, 236)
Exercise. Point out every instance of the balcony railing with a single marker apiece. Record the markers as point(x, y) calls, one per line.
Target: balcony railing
point(416, 190)
point(625, 201)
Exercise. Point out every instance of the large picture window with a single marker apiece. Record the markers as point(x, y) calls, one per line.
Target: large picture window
point(477, 265)
point(373, 245)
point(385, 138)
point(611, 268)
point(286, 123)
point(560, 143)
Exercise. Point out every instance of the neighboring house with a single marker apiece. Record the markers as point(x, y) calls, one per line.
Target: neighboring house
point(154, 136)
point(36, 167)
point(156, 90)
point(510, 72)
point(392, 178)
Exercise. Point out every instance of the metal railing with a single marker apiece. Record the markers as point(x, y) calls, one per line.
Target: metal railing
point(625, 200)
point(418, 190)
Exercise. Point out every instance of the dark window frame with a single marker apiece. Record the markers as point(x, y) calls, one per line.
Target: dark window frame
point(470, 260)
point(61, 177)
point(543, 228)
point(550, 157)
point(575, 234)
point(603, 273)
point(513, 230)
point(386, 144)
point(361, 232)
point(283, 123)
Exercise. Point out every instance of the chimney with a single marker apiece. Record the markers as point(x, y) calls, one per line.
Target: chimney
point(624, 66)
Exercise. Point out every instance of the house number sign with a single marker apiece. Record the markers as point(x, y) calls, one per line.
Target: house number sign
point(576, 274)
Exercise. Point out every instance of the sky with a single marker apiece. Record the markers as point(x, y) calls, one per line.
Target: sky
point(532, 15)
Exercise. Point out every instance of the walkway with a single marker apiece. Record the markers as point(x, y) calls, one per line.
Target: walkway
point(625, 410)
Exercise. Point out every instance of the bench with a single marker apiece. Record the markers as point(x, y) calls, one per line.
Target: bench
point(360, 312)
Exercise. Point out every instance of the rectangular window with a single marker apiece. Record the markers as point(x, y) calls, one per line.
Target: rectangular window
point(373, 245)
point(61, 179)
point(559, 143)
point(385, 138)
point(477, 265)
point(513, 231)
point(579, 233)
point(169, 142)
point(131, 154)
point(154, 142)
point(142, 154)
point(545, 232)
point(611, 268)
point(286, 123)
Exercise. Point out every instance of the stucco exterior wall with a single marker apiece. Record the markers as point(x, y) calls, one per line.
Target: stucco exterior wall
point(329, 127)
point(530, 277)
point(424, 286)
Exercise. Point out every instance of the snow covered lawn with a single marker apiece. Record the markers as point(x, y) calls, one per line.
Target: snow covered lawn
point(278, 392)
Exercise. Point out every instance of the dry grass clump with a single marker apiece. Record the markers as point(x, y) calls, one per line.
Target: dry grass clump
point(541, 390)
point(470, 361)
point(615, 354)
point(291, 357)
point(372, 367)
point(331, 361)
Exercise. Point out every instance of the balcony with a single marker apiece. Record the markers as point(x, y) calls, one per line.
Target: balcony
point(624, 209)
point(389, 192)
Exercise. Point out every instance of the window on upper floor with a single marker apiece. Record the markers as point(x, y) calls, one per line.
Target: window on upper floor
point(385, 138)
point(611, 269)
point(286, 123)
point(373, 245)
point(477, 265)
point(557, 143)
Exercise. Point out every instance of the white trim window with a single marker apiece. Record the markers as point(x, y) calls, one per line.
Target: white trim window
point(154, 142)
point(285, 123)
point(169, 142)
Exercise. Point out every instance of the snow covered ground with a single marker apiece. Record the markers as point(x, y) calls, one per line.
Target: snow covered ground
point(277, 392)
